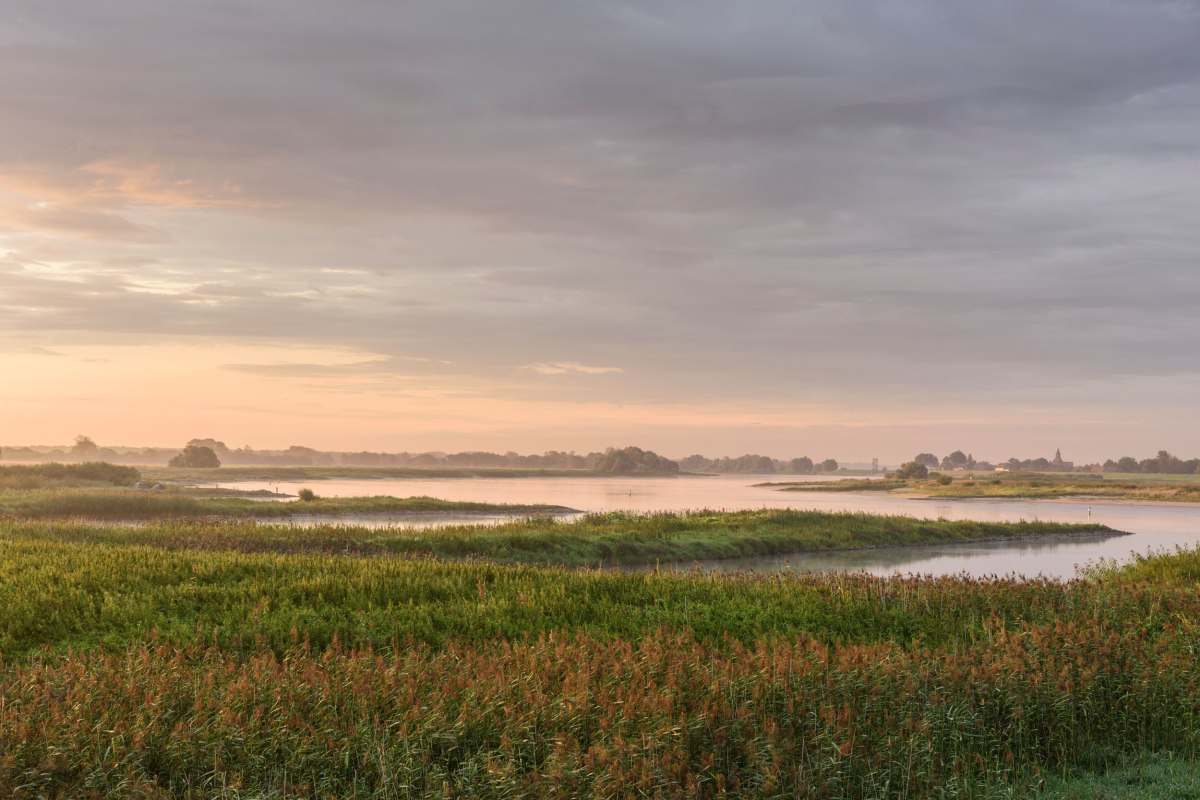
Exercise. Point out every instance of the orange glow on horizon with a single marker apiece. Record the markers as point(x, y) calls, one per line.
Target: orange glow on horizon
point(164, 394)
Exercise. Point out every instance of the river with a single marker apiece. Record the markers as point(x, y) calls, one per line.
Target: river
point(1153, 526)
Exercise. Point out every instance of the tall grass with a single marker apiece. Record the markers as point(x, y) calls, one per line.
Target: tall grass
point(54, 475)
point(576, 716)
point(1179, 566)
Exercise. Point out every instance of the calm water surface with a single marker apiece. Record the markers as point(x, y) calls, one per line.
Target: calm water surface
point(1152, 526)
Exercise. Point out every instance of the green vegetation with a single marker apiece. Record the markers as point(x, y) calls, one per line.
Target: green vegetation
point(613, 538)
point(196, 456)
point(44, 476)
point(754, 464)
point(141, 671)
point(1146, 776)
point(911, 470)
point(1163, 462)
point(634, 461)
point(1148, 487)
point(136, 504)
point(67, 588)
point(583, 716)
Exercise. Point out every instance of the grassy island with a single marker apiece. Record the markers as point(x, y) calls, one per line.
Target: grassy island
point(608, 539)
point(1140, 488)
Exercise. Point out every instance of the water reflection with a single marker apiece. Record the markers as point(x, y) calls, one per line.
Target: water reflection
point(1055, 559)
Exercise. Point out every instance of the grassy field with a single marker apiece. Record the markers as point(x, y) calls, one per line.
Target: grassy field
point(142, 671)
point(608, 539)
point(1148, 776)
point(1145, 488)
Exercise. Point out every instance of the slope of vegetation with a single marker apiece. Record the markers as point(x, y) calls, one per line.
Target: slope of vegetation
point(595, 539)
point(136, 671)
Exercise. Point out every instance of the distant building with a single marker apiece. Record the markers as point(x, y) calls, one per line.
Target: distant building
point(1059, 464)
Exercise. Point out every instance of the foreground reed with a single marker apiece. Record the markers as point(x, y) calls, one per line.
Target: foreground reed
point(575, 716)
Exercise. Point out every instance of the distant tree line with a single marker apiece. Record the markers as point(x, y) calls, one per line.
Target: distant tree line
point(85, 449)
point(1164, 463)
point(757, 465)
point(210, 452)
point(956, 460)
point(214, 453)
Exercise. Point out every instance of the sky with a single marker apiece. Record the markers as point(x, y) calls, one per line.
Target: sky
point(848, 228)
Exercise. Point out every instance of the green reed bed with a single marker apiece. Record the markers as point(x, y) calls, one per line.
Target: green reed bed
point(1180, 566)
point(137, 671)
point(78, 594)
point(614, 538)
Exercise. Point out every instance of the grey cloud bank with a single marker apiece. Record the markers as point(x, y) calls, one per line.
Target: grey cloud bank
point(838, 202)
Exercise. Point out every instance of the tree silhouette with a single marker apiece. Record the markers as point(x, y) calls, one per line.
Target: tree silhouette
point(195, 456)
point(84, 446)
point(913, 469)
